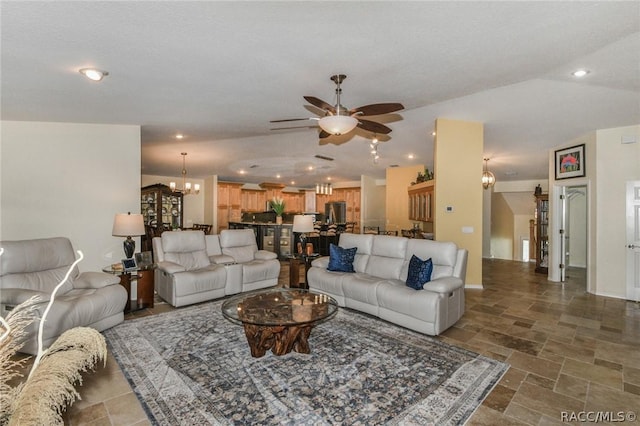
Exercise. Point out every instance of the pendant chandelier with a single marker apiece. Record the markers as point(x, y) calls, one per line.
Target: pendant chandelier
point(186, 186)
point(488, 179)
point(324, 188)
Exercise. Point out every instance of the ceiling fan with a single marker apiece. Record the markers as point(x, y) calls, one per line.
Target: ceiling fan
point(338, 120)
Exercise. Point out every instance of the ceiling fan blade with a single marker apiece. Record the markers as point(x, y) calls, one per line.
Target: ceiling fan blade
point(377, 109)
point(323, 134)
point(289, 119)
point(311, 126)
point(320, 104)
point(374, 127)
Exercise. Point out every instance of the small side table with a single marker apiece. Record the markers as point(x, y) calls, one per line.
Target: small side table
point(294, 269)
point(145, 286)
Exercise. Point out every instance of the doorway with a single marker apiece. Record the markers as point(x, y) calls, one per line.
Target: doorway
point(574, 238)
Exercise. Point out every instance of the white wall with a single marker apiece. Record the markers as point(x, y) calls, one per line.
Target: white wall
point(616, 164)
point(193, 204)
point(372, 203)
point(69, 180)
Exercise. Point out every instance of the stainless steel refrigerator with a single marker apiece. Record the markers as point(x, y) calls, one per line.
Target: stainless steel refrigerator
point(336, 212)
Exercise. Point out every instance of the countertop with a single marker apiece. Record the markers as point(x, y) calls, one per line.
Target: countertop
point(263, 223)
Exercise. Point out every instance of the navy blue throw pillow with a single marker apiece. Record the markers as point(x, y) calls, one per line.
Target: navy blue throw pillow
point(341, 259)
point(419, 272)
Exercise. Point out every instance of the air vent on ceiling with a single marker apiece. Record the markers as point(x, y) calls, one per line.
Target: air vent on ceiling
point(394, 165)
point(253, 166)
point(322, 157)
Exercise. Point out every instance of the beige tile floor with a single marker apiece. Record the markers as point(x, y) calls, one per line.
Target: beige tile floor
point(569, 351)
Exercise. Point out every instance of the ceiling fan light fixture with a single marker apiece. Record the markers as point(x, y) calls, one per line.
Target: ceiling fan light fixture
point(338, 124)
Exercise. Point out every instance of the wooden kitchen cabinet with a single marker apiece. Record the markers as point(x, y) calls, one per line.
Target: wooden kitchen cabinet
point(229, 203)
point(421, 201)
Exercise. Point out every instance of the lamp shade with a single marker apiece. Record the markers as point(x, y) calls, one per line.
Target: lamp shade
point(303, 223)
point(338, 124)
point(127, 224)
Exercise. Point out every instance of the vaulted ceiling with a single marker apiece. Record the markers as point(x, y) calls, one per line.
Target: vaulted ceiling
point(218, 72)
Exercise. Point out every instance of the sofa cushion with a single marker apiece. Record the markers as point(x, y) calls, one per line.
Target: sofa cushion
point(341, 259)
point(443, 254)
point(240, 254)
point(190, 261)
point(212, 242)
point(364, 243)
point(387, 257)
point(39, 264)
point(186, 248)
point(419, 272)
point(239, 244)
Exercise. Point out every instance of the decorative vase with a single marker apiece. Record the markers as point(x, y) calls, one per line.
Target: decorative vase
point(278, 220)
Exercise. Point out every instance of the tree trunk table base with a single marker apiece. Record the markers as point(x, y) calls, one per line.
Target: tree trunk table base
point(279, 320)
point(279, 339)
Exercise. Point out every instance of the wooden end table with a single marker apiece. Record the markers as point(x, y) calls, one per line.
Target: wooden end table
point(294, 269)
point(145, 286)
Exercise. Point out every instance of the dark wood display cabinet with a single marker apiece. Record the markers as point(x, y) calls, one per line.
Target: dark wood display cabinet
point(542, 233)
point(161, 208)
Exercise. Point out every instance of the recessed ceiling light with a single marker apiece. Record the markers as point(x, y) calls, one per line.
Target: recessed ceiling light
point(433, 133)
point(580, 73)
point(410, 156)
point(242, 172)
point(93, 73)
point(277, 176)
point(310, 168)
point(179, 136)
point(293, 182)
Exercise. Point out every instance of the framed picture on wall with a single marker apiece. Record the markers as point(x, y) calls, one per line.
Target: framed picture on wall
point(570, 162)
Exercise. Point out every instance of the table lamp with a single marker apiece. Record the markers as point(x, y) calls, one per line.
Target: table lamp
point(303, 224)
point(126, 225)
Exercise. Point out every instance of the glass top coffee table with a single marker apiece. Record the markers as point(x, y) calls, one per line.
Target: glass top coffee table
point(279, 319)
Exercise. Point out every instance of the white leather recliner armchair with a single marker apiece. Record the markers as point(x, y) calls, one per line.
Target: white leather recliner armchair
point(184, 274)
point(260, 268)
point(35, 267)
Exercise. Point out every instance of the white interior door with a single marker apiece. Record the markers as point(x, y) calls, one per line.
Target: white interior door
point(563, 233)
point(633, 240)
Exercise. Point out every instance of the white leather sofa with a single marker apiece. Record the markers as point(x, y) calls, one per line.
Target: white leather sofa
point(192, 267)
point(378, 287)
point(35, 267)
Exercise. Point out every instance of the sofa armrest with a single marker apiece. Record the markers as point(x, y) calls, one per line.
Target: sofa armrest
point(95, 280)
point(265, 255)
point(221, 259)
point(170, 267)
point(444, 285)
point(321, 262)
point(16, 296)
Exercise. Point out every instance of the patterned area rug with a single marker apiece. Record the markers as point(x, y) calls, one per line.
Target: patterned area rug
point(192, 366)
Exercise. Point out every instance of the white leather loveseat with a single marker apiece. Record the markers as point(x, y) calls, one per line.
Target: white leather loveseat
point(35, 267)
point(378, 287)
point(192, 267)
